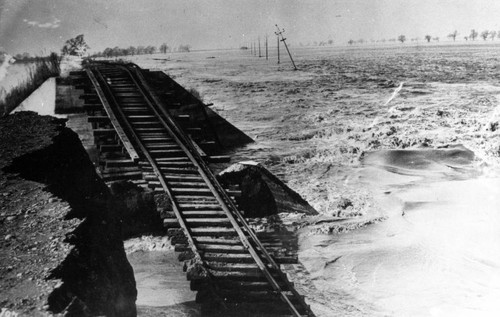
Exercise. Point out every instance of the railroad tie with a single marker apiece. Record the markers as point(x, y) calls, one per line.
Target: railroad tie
point(140, 139)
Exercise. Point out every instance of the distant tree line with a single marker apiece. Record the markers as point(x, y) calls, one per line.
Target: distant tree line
point(473, 35)
point(23, 56)
point(316, 43)
point(141, 50)
point(27, 57)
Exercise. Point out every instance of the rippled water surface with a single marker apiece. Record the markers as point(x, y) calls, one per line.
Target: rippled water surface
point(437, 254)
point(438, 251)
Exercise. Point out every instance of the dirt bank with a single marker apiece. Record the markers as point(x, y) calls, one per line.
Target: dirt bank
point(61, 242)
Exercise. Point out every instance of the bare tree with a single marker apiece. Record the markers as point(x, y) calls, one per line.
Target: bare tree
point(493, 34)
point(453, 35)
point(116, 51)
point(473, 34)
point(402, 38)
point(131, 50)
point(140, 50)
point(19, 56)
point(75, 46)
point(164, 48)
point(485, 34)
point(428, 38)
point(107, 52)
point(150, 49)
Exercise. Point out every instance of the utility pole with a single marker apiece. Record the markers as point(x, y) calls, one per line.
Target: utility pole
point(280, 32)
point(278, 48)
point(260, 55)
point(266, 49)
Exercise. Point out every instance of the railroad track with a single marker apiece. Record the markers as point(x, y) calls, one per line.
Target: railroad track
point(225, 261)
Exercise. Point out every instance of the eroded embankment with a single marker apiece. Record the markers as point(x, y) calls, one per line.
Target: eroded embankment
point(61, 247)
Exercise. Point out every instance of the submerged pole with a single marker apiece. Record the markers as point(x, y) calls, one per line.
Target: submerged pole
point(280, 32)
point(278, 49)
point(266, 49)
point(286, 46)
point(260, 55)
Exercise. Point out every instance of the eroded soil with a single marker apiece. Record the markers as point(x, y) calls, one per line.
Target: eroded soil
point(32, 231)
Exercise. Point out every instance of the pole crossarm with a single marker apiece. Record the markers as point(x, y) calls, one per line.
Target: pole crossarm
point(283, 39)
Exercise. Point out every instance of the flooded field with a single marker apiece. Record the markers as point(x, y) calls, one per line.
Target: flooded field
point(407, 136)
point(397, 147)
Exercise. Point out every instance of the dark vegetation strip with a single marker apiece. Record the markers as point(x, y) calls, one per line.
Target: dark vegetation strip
point(45, 67)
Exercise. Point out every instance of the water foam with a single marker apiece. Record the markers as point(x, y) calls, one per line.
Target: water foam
point(394, 94)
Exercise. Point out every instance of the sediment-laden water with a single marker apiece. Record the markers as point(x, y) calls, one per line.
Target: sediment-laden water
point(338, 130)
point(426, 161)
point(436, 254)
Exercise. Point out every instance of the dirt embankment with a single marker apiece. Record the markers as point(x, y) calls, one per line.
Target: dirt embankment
point(60, 249)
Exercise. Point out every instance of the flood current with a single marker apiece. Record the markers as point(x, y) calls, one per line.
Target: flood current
point(438, 251)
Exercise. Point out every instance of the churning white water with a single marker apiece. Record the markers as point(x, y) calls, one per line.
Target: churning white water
point(437, 254)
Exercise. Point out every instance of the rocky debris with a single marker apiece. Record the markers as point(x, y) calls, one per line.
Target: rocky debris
point(195, 270)
point(344, 203)
point(61, 249)
point(138, 211)
point(334, 225)
point(148, 243)
point(282, 222)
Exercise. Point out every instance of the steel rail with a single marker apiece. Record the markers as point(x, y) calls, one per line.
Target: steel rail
point(107, 108)
point(157, 171)
point(224, 201)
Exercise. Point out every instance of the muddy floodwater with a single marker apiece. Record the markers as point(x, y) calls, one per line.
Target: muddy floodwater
point(397, 147)
point(436, 254)
point(408, 135)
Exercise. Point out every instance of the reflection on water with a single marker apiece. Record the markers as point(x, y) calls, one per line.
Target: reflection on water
point(438, 254)
point(162, 288)
point(42, 100)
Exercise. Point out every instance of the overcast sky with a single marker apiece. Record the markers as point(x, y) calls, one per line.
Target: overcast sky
point(40, 26)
